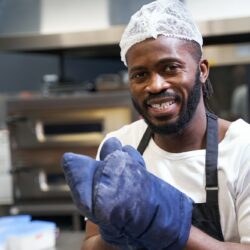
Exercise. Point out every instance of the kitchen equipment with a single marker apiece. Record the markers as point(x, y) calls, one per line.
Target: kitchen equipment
point(43, 128)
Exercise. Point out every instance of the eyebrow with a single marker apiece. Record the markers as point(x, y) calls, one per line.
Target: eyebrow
point(159, 63)
point(169, 60)
point(137, 68)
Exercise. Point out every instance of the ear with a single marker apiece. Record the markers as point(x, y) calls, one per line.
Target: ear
point(204, 70)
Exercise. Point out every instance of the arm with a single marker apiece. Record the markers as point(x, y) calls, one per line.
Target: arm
point(201, 241)
point(93, 240)
point(197, 241)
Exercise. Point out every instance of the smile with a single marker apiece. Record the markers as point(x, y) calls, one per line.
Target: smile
point(162, 106)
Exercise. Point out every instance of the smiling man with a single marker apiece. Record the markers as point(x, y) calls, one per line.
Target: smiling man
point(163, 83)
point(187, 186)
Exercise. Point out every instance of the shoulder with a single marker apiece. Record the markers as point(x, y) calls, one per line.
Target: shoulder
point(234, 150)
point(239, 158)
point(238, 130)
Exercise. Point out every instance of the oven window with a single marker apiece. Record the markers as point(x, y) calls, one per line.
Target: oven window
point(72, 128)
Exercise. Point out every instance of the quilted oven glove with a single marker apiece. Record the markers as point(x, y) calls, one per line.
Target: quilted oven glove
point(131, 206)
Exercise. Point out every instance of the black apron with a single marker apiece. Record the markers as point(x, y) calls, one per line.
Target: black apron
point(206, 215)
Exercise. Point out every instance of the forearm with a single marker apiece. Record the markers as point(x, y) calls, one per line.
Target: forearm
point(197, 241)
point(96, 243)
point(201, 241)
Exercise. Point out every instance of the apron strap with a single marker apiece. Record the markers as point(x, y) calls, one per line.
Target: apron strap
point(212, 159)
point(145, 140)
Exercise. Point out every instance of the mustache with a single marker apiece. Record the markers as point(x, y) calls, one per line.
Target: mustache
point(162, 95)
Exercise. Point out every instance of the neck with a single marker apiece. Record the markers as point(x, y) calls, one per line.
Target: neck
point(193, 136)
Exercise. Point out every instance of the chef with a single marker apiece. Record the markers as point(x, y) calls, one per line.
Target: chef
point(179, 177)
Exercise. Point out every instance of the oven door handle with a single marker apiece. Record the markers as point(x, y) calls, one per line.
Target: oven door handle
point(16, 119)
point(46, 187)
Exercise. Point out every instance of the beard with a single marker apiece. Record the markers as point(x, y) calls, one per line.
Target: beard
point(186, 114)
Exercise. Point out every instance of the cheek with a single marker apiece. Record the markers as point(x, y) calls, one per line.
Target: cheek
point(187, 84)
point(136, 90)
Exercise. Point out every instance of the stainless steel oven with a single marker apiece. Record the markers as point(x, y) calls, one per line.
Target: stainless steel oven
point(43, 128)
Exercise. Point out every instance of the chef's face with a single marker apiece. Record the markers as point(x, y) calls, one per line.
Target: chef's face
point(165, 83)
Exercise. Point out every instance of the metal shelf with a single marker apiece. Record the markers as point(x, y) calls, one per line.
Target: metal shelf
point(106, 41)
point(106, 38)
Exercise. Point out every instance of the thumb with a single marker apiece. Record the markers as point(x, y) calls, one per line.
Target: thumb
point(110, 145)
point(79, 171)
point(134, 154)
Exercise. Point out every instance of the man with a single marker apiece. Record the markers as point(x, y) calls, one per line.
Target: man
point(204, 162)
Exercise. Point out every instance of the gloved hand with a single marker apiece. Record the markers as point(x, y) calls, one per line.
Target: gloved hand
point(126, 201)
point(81, 174)
point(80, 171)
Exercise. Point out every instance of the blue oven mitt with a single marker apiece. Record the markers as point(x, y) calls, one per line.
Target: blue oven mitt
point(80, 171)
point(126, 201)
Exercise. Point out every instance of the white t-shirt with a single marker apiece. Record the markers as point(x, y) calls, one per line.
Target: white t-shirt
point(186, 171)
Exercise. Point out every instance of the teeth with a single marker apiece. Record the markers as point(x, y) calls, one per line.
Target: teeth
point(162, 105)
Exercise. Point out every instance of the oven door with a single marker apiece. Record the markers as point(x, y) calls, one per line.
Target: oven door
point(67, 128)
point(33, 183)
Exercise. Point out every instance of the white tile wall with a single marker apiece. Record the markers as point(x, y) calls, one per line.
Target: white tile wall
point(218, 9)
point(75, 15)
point(6, 188)
point(4, 152)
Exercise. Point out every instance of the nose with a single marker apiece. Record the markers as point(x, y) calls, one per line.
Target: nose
point(156, 84)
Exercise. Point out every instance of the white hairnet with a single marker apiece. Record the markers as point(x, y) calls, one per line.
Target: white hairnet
point(162, 17)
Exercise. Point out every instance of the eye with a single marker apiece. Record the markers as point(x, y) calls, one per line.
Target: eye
point(138, 76)
point(171, 68)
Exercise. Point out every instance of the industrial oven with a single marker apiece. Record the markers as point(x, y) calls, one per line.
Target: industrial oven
point(43, 128)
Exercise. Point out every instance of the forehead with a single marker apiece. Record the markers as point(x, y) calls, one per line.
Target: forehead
point(152, 50)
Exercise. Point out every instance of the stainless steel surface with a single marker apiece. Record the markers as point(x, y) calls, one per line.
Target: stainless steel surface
point(227, 54)
point(36, 151)
point(225, 26)
point(109, 36)
point(37, 178)
point(70, 240)
point(82, 100)
point(31, 42)
point(66, 120)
